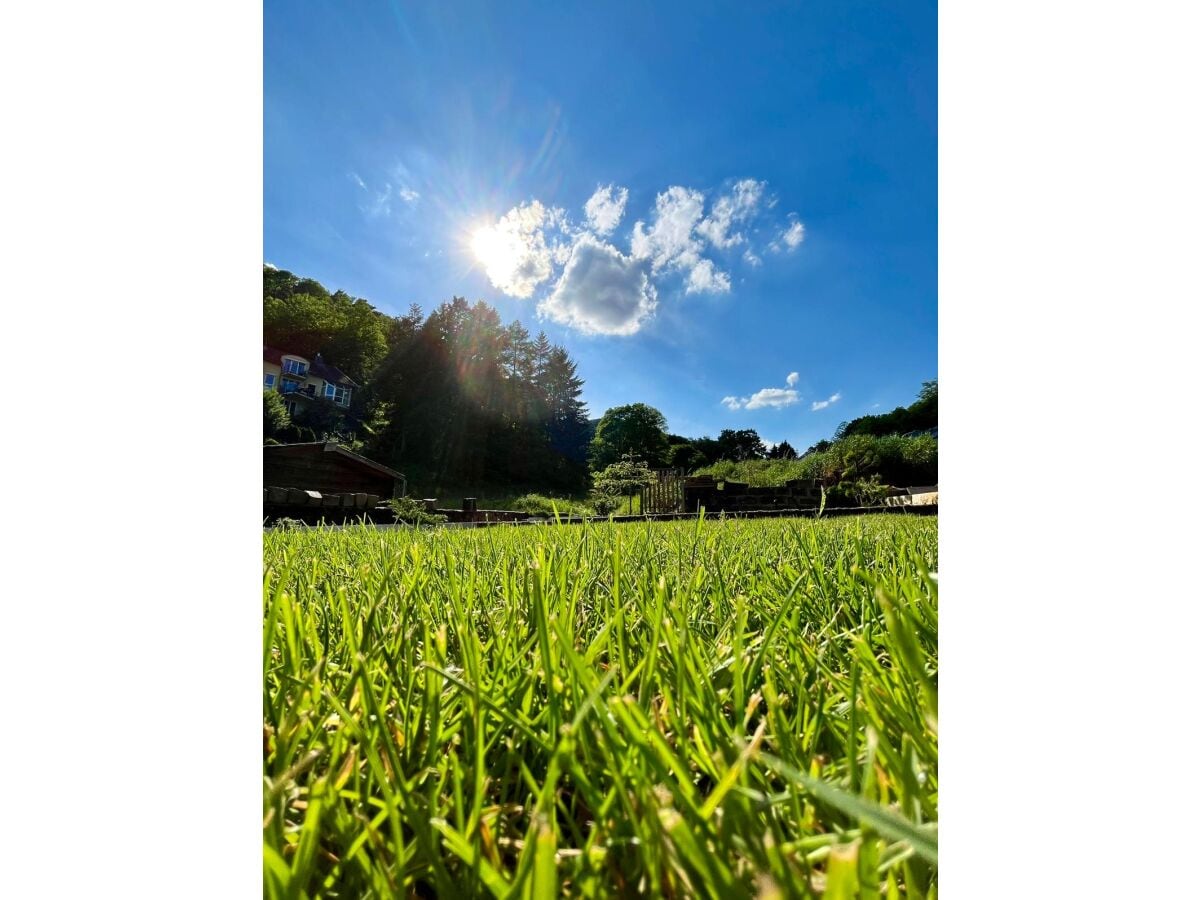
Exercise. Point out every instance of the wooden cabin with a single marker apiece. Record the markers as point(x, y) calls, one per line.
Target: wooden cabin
point(329, 468)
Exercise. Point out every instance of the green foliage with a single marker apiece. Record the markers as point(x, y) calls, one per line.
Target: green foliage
point(541, 505)
point(463, 399)
point(326, 420)
point(686, 456)
point(455, 397)
point(301, 316)
point(866, 491)
point(894, 460)
point(920, 415)
point(622, 479)
point(635, 429)
point(741, 445)
point(675, 709)
point(275, 415)
point(413, 512)
point(755, 472)
point(782, 450)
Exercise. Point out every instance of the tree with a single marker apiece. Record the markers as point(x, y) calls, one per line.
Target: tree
point(782, 450)
point(635, 429)
point(565, 414)
point(301, 316)
point(275, 415)
point(918, 416)
point(685, 456)
point(624, 478)
point(456, 397)
point(740, 446)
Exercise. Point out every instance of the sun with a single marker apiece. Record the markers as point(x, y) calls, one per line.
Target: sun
point(497, 250)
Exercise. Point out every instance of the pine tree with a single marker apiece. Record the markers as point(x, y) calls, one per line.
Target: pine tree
point(566, 414)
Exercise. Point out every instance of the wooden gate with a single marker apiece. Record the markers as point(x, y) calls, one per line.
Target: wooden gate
point(665, 493)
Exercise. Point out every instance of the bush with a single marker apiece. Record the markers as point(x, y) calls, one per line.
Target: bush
point(275, 416)
point(757, 472)
point(413, 512)
point(541, 505)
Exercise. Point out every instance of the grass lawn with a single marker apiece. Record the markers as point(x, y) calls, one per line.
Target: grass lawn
point(681, 709)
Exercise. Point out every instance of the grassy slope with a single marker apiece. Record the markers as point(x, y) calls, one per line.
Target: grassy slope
point(668, 709)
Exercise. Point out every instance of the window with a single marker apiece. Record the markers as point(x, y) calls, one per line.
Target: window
point(294, 367)
point(290, 385)
point(269, 380)
point(339, 395)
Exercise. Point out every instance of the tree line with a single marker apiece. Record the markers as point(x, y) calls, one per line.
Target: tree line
point(458, 399)
point(864, 456)
point(641, 431)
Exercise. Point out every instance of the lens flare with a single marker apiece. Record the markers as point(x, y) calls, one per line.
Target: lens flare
point(498, 251)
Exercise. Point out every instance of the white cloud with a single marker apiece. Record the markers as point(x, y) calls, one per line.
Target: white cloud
point(821, 404)
point(514, 251)
point(673, 241)
point(601, 290)
point(357, 180)
point(605, 208)
point(706, 278)
point(730, 209)
point(409, 196)
point(271, 266)
point(794, 235)
point(789, 239)
point(773, 397)
point(669, 242)
point(531, 248)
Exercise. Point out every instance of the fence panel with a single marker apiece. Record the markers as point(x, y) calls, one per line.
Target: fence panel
point(665, 493)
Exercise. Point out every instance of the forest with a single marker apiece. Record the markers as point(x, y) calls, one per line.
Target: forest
point(455, 397)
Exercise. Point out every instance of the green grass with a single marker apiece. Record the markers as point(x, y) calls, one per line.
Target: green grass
point(725, 709)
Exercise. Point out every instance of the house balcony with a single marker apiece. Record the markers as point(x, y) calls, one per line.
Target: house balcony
point(304, 390)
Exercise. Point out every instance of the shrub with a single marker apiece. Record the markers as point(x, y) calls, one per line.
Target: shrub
point(413, 512)
point(542, 505)
point(275, 415)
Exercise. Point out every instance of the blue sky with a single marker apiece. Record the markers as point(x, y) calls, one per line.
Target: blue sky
point(727, 211)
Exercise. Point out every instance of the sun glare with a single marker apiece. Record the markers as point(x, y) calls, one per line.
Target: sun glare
point(497, 251)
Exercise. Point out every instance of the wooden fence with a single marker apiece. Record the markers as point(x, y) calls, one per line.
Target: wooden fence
point(665, 493)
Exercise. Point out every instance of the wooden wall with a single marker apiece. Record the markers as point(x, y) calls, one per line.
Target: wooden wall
point(315, 469)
